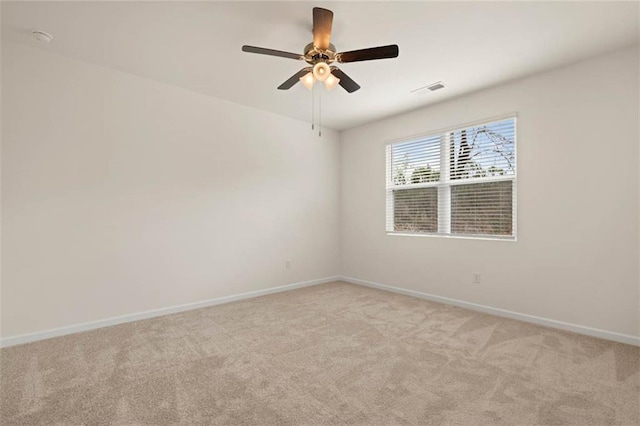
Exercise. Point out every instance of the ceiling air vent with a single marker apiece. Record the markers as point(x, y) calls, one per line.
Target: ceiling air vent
point(436, 86)
point(41, 36)
point(431, 87)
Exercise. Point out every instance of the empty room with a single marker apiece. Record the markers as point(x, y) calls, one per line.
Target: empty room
point(320, 213)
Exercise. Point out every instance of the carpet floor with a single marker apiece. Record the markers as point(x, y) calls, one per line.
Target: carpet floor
point(329, 354)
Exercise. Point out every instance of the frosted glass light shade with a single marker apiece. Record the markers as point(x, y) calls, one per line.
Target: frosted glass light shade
point(331, 82)
point(321, 71)
point(308, 80)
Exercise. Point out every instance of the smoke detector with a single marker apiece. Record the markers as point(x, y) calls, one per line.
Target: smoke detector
point(41, 36)
point(430, 87)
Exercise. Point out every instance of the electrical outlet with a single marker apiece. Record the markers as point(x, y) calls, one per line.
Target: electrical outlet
point(287, 264)
point(477, 278)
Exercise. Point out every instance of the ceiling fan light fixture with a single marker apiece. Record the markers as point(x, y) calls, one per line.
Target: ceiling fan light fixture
point(307, 80)
point(331, 82)
point(321, 71)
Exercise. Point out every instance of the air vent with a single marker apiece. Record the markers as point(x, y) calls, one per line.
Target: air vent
point(431, 87)
point(41, 36)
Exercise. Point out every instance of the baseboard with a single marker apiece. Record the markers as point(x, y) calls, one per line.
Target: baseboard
point(47, 334)
point(594, 332)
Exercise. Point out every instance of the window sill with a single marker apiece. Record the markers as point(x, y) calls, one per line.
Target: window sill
point(458, 237)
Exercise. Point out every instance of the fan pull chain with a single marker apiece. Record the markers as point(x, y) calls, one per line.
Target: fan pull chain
point(313, 116)
point(320, 114)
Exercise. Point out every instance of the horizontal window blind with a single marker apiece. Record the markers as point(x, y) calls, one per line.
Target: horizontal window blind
point(460, 182)
point(416, 210)
point(483, 151)
point(482, 208)
point(416, 162)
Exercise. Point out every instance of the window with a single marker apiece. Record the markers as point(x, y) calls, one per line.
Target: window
point(456, 183)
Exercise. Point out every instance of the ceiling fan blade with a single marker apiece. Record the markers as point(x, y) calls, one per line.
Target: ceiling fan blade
point(271, 52)
point(345, 81)
point(294, 79)
point(322, 22)
point(382, 52)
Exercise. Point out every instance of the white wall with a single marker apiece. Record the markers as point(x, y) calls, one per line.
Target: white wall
point(576, 258)
point(122, 195)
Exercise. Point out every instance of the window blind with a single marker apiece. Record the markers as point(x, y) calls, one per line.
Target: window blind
point(459, 182)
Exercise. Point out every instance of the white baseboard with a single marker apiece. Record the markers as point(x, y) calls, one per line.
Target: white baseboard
point(77, 328)
point(580, 329)
point(47, 334)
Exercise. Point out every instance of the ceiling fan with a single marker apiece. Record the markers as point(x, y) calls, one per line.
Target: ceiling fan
point(321, 54)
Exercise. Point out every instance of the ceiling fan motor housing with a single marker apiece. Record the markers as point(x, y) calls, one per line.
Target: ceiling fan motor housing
point(313, 55)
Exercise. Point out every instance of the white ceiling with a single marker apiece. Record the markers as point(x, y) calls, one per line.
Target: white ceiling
point(467, 45)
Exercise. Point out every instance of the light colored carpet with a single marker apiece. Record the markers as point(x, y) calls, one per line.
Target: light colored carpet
point(329, 354)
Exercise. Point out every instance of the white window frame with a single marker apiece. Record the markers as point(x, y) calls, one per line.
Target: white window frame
point(445, 184)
